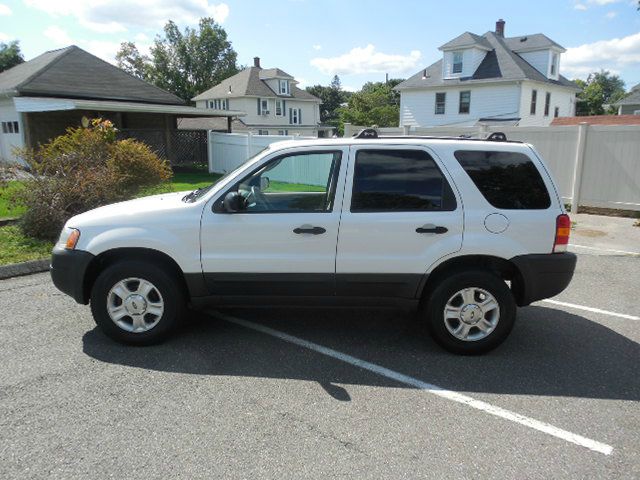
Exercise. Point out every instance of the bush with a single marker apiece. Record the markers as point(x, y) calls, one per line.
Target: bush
point(82, 170)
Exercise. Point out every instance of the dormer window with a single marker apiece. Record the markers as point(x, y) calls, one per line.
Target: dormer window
point(283, 87)
point(457, 62)
point(554, 64)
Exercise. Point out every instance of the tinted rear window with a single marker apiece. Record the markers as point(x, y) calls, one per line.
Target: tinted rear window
point(508, 180)
point(399, 180)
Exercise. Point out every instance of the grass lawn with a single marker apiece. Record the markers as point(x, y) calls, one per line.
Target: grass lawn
point(6, 209)
point(18, 248)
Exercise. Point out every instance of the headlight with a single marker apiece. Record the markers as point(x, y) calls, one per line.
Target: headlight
point(69, 238)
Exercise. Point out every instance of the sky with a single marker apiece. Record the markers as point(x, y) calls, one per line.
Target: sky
point(358, 40)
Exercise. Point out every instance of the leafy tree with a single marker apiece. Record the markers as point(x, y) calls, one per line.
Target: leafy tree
point(184, 63)
point(10, 55)
point(375, 104)
point(600, 89)
point(332, 97)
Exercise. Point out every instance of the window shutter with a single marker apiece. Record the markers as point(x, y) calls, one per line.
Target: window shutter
point(258, 106)
point(290, 116)
point(284, 109)
point(299, 116)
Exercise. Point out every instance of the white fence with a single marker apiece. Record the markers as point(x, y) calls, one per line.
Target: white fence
point(593, 165)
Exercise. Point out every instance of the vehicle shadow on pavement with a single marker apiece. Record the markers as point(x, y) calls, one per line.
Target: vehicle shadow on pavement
point(550, 352)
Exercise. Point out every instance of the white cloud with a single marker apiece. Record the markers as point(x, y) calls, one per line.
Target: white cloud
point(109, 16)
point(585, 4)
point(580, 6)
point(58, 36)
point(5, 10)
point(611, 15)
point(103, 49)
point(367, 60)
point(4, 37)
point(317, 47)
point(612, 55)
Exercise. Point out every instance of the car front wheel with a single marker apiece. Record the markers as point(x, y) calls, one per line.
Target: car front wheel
point(136, 302)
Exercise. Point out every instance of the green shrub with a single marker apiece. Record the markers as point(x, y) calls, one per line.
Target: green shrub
point(81, 170)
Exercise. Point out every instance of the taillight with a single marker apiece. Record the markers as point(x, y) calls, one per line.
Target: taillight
point(563, 228)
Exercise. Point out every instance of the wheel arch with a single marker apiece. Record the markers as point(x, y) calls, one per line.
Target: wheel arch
point(503, 268)
point(112, 256)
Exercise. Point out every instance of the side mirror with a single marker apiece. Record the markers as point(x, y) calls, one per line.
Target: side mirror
point(264, 183)
point(233, 202)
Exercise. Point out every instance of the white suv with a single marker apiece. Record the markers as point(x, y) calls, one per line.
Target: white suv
point(463, 229)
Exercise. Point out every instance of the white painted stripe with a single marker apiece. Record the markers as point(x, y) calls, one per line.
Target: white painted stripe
point(428, 387)
point(591, 309)
point(622, 252)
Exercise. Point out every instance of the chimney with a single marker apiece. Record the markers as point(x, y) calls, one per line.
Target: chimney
point(500, 28)
point(256, 62)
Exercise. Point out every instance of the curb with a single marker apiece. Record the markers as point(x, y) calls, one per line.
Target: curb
point(25, 268)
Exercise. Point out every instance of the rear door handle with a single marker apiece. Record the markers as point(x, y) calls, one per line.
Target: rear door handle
point(431, 229)
point(309, 229)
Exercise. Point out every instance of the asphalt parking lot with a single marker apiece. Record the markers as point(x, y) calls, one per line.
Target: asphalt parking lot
point(300, 393)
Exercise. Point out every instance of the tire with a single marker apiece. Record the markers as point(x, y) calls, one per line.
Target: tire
point(470, 312)
point(155, 297)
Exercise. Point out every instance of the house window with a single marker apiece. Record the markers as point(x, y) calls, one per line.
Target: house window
point(457, 62)
point(465, 102)
point(556, 112)
point(16, 128)
point(283, 87)
point(283, 132)
point(279, 108)
point(10, 127)
point(263, 132)
point(554, 64)
point(534, 99)
point(264, 106)
point(440, 101)
point(547, 104)
point(219, 104)
point(295, 116)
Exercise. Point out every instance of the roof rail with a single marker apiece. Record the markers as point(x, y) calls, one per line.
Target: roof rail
point(372, 133)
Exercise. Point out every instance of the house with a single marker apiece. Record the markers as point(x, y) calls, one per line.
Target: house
point(270, 97)
point(630, 105)
point(41, 98)
point(490, 79)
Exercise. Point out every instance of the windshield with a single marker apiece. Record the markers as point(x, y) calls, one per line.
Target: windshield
point(193, 196)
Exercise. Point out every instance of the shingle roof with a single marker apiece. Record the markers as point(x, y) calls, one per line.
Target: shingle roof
point(466, 39)
point(73, 73)
point(632, 98)
point(273, 73)
point(248, 83)
point(537, 41)
point(499, 65)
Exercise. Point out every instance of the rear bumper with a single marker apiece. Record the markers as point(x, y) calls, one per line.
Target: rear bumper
point(68, 269)
point(543, 275)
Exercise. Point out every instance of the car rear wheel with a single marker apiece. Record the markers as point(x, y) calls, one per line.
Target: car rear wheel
point(470, 312)
point(136, 302)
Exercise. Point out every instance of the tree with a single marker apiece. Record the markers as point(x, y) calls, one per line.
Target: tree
point(600, 89)
point(184, 63)
point(375, 104)
point(332, 97)
point(10, 55)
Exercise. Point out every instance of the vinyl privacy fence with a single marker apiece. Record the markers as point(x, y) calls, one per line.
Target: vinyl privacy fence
point(593, 165)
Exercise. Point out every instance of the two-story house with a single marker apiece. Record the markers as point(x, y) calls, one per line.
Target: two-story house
point(490, 79)
point(273, 103)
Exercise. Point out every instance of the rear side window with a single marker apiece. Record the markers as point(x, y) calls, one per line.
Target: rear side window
point(508, 180)
point(399, 180)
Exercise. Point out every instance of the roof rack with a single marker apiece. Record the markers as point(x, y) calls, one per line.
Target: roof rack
point(372, 133)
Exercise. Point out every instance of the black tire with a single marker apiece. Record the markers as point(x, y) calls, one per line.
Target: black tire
point(169, 288)
point(437, 300)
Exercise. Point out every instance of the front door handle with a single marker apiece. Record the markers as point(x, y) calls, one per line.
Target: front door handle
point(309, 229)
point(431, 229)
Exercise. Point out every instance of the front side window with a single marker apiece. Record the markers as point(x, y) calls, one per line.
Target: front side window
point(284, 87)
point(279, 108)
point(465, 102)
point(263, 132)
point(507, 180)
point(302, 182)
point(440, 103)
point(295, 116)
point(399, 180)
point(534, 99)
point(457, 62)
point(554, 64)
point(264, 106)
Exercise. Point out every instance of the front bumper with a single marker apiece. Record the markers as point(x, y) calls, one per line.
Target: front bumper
point(68, 271)
point(543, 275)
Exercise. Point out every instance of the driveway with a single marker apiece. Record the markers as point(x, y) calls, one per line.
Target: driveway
point(332, 393)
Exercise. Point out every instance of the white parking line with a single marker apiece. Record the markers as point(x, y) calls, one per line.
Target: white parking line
point(428, 387)
point(591, 309)
point(610, 250)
